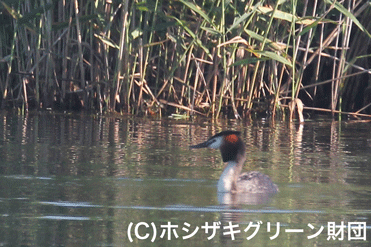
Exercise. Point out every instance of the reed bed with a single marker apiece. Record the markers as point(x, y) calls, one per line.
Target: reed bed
point(211, 58)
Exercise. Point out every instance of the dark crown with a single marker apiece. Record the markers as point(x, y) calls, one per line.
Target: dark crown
point(232, 146)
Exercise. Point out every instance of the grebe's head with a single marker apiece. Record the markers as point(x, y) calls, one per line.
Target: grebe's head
point(229, 143)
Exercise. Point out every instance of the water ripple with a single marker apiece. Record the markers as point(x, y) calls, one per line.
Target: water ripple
point(184, 208)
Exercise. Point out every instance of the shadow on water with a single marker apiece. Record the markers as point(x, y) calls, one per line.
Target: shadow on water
point(72, 180)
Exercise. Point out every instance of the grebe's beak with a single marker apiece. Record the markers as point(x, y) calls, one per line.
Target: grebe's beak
point(214, 142)
point(201, 145)
point(205, 144)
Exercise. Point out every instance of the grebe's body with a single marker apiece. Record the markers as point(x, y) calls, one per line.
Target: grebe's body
point(232, 149)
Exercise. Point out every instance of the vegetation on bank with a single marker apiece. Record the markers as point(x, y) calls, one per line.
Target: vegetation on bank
point(213, 58)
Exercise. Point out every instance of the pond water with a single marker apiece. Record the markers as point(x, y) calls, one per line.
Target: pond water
point(86, 180)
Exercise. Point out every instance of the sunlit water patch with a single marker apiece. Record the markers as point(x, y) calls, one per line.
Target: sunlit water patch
point(83, 180)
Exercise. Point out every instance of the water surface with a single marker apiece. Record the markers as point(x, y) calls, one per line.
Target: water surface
point(84, 180)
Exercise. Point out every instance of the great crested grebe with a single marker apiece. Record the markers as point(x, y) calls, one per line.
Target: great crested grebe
point(232, 149)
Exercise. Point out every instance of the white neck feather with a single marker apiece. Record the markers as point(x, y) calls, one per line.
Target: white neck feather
point(227, 177)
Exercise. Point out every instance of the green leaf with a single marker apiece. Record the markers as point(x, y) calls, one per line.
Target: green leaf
point(264, 55)
point(269, 42)
point(106, 41)
point(278, 14)
point(343, 10)
point(309, 27)
point(274, 56)
point(249, 60)
point(136, 33)
point(211, 31)
point(196, 9)
point(239, 20)
point(286, 16)
point(271, 55)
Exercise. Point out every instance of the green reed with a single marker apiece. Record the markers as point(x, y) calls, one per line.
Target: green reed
point(209, 58)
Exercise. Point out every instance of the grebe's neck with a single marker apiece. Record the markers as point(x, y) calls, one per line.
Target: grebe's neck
point(229, 177)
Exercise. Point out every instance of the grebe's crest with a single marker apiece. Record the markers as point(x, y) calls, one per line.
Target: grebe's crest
point(231, 138)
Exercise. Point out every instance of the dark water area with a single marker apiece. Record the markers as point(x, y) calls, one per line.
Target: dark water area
point(87, 180)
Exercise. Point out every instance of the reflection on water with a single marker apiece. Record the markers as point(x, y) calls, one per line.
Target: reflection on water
point(77, 180)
